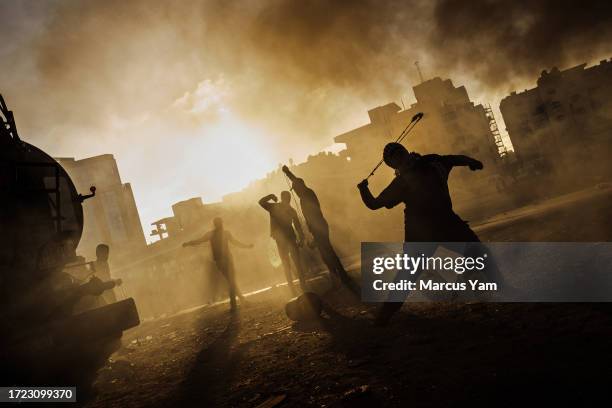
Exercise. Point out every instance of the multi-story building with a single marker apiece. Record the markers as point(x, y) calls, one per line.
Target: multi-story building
point(452, 125)
point(565, 120)
point(111, 217)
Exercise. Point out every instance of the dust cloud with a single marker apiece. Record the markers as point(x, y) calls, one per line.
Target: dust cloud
point(281, 78)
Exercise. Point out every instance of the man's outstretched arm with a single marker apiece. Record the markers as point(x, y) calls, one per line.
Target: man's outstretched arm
point(265, 201)
point(239, 244)
point(204, 238)
point(461, 160)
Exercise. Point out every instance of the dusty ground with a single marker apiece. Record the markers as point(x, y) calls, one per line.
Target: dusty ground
point(431, 354)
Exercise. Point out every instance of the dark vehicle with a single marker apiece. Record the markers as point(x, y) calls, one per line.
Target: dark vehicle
point(43, 342)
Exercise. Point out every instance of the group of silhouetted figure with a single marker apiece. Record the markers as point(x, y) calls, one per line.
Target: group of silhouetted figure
point(421, 183)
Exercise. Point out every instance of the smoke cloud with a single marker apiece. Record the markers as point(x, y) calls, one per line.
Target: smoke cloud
point(105, 76)
point(510, 41)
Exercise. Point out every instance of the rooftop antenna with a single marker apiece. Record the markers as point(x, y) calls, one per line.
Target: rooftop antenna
point(416, 64)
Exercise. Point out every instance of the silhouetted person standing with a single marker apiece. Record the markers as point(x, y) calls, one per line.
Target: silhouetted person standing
point(102, 271)
point(220, 239)
point(421, 183)
point(284, 223)
point(318, 226)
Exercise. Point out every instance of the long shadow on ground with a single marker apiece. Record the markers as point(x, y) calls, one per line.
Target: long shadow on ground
point(213, 369)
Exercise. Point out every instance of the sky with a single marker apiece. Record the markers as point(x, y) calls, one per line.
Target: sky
point(197, 98)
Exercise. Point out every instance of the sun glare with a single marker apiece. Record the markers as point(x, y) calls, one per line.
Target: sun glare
point(231, 154)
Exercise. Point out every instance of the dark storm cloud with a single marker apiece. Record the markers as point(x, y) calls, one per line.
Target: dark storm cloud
point(368, 44)
point(506, 40)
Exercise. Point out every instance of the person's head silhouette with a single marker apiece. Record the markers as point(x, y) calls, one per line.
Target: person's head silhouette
point(218, 222)
point(395, 156)
point(285, 197)
point(102, 252)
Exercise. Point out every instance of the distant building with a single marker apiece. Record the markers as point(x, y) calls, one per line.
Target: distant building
point(111, 217)
point(188, 216)
point(452, 125)
point(566, 119)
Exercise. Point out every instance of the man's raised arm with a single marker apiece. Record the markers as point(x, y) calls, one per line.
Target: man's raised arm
point(299, 186)
point(366, 196)
point(265, 201)
point(288, 173)
point(388, 198)
point(239, 244)
point(201, 240)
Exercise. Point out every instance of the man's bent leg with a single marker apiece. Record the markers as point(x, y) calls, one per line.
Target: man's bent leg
point(330, 257)
point(396, 300)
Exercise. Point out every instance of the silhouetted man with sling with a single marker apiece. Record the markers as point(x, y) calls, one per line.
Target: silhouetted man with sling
point(421, 183)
